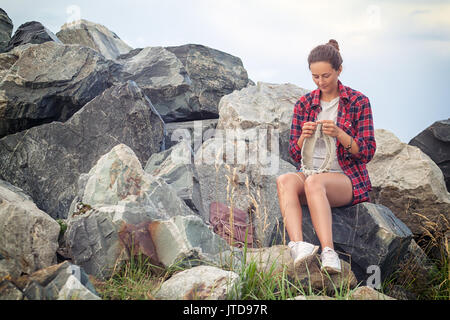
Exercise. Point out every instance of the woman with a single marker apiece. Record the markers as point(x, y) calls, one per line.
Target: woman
point(345, 115)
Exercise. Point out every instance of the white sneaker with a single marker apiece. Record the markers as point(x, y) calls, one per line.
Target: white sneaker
point(330, 261)
point(302, 252)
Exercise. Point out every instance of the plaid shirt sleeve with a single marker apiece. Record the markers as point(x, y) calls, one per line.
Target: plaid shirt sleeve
point(296, 130)
point(365, 136)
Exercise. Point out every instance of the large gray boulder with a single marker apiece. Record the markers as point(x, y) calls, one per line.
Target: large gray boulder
point(371, 234)
point(64, 281)
point(28, 236)
point(6, 27)
point(46, 161)
point(242, 175)
point(263, 106)
point(48, 82)
point(200, 283)
point(434, 141)
point(195, 132)
point(175, 166)
point(162, 77)
point(366, 235)
point(95, 36)
point(276, 262)
point(121, 210)
point(409, 182)
point(32, 32)
point(186, 82)
point(213, 73)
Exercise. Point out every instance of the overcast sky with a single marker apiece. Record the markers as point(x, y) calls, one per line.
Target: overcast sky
point(395, 52)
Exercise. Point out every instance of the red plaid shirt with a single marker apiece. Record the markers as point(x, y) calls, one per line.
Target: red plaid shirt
point(355, 118)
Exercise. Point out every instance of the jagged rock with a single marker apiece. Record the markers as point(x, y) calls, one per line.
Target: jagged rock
point(64, 281)
point(95, 36)
point(118, 179)
point(276, 261)
point(8, 291)
point(116, 191)
point(162, 77)
point(184, 83)
point(199, 283)
point(368, 293)
point(176, 167)
point(370, 233)
point(48, 82)
point(367, 234)
point(119, 207)
point(408, 182)
point(262, 106)
point(243, 175)
point(28, 236)
point(434, 141)
point(6, 28)
point(194, 132)
point(31, 32)
point(46, 161)
point(213, 74)
point(189, 241)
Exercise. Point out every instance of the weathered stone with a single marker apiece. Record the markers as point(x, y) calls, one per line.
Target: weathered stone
point(162, 77)
point(46, 161)
point(6, 27)
point(368, 293)
point(243, 175)
point(175, 166)
point(434, 141)
point(213, 74)
point(48, 82)
point(95, 36)
point(31, 32)
point(8, 291)
point(408, 182)
point(198, 283)
point(188, 241)
point(28, 236)
point(276, 261)
point(64, 281)
point(116, 191)
point(193, 132)
point(262, 106)
point(367, 235)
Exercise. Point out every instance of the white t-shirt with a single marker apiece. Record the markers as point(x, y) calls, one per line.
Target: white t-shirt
point(329, 112)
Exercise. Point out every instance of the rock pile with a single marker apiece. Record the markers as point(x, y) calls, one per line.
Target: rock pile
point(128, 148)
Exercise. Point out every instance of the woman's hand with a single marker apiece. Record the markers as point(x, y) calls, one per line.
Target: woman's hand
point(308, 129)
point(330, 128)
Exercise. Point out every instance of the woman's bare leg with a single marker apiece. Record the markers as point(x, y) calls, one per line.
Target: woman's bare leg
point(324, 191)
point(291, 194)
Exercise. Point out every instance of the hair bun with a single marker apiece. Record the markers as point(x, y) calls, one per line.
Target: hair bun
point(333, 43)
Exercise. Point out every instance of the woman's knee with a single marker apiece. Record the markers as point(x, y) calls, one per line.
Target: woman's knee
point(313, 185)
point(288, 181)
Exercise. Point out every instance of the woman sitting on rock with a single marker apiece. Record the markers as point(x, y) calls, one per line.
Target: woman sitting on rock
point(344, 117)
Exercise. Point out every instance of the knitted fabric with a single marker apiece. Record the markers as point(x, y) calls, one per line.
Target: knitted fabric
point(308, 152)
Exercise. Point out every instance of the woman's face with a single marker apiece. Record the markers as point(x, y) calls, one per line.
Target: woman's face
point(325, 77)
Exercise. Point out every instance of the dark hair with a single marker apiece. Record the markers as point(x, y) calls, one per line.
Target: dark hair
point(326, 52)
